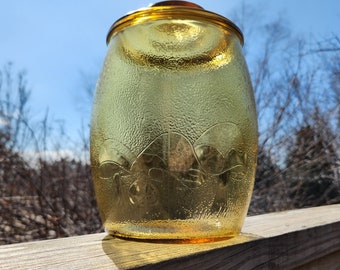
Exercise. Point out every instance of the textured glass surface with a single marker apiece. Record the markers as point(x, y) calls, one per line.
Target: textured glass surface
point(174, 133)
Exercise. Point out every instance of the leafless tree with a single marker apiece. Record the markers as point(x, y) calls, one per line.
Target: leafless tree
point(292, 79)
point(42, 195)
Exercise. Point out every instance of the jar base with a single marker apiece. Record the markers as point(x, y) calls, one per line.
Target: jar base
point(170, 240)
point(166, 231)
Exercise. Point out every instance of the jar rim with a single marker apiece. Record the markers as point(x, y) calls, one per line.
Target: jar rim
point(173, 10)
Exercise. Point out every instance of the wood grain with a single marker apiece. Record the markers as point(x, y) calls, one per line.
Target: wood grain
point(286, 240)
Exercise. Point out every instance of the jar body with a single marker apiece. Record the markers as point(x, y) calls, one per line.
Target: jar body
point(174, 133)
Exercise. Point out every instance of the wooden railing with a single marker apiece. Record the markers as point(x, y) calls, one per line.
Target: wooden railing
point(298, 239)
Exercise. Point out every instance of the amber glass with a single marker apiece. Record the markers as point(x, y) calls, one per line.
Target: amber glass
point(174, 129)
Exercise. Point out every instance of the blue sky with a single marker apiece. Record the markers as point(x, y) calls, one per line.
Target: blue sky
point(57, 42)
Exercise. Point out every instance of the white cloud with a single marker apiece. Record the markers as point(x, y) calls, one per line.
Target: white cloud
point(3, 122)
point(32, 156)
